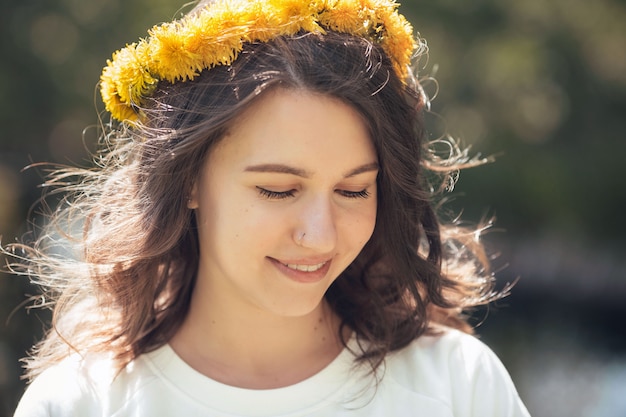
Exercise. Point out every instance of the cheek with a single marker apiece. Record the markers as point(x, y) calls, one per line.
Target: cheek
point(230, 237)
point(360, 227)
point(368, 227)
point(250, 226)
point(221, 218)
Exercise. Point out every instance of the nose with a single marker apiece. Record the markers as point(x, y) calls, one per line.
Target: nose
point(316, 227)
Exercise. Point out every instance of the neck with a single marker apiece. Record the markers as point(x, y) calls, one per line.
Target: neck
point(256, 349)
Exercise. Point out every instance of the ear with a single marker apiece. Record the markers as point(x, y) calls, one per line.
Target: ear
point(192, 200)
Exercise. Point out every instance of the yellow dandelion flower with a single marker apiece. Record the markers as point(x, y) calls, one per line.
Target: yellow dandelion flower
point(126, 76)
point(398, 40)
point(344, 16)
point(265, 24)
point(221, 33)
point(376, 10)
point(109, 92)
point(320, 5)
point(379, 6)
point(293, 16)
point(122, 111)
point(247, 20)
point(225, 50)
point(199, 38)
point(173, 62)
point(142, 83)
point(228, 16)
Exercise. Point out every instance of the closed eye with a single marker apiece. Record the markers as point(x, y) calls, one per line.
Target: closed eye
point(354, 194)
point(275, 195)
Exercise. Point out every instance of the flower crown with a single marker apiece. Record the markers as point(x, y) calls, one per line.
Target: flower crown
point(180, 50)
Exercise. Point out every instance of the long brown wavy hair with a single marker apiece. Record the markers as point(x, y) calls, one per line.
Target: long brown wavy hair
point(119, 257)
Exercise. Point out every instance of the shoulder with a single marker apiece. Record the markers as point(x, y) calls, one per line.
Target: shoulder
point(458, 369)
point(81, 387)
point(440, 362)
point(448, 350)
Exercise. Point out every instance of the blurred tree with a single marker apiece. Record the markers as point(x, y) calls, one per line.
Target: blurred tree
point(544, 85)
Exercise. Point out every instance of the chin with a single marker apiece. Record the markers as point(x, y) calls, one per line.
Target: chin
point(299, 308)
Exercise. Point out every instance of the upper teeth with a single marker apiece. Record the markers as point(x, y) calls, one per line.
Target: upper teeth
point(305, 268)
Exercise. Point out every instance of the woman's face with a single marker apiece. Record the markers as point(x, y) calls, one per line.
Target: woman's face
point(284, 204)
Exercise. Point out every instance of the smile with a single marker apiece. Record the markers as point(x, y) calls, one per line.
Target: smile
point(305, 268)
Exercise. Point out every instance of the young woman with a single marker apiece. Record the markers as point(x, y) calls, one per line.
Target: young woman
point(258, 237)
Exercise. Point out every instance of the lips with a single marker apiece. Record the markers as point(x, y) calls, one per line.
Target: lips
point(303, 271)
point(305, 268)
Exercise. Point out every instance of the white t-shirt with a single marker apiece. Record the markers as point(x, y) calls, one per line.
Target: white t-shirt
point(449, 375)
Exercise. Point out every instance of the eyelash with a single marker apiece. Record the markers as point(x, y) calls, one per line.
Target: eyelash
point(275, 195)
point(280, 195)
point(355, 194)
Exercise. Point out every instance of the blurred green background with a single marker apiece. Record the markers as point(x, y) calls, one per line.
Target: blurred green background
point(541, 84)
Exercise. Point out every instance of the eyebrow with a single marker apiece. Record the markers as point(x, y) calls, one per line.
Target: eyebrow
point(372, 166)
point(286, 169)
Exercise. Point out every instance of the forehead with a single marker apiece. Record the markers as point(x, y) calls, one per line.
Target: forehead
point(298, 127)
